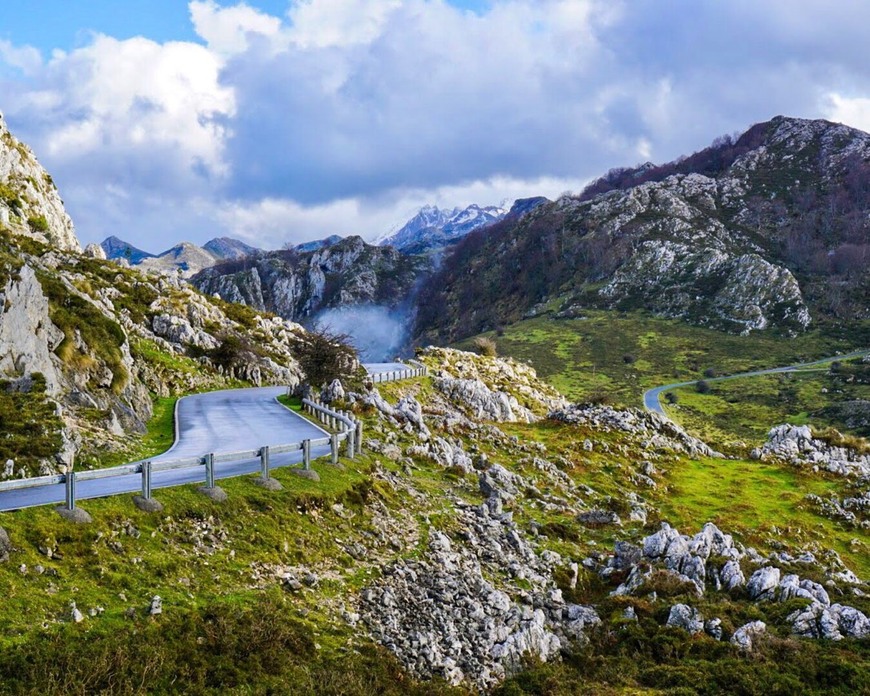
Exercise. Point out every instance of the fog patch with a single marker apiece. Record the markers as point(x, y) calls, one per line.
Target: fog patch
point(379, 334)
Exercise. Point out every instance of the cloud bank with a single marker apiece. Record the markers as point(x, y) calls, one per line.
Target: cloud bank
point(346, 117)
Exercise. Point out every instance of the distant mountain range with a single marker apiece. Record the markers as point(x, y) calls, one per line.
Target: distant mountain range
point(186, 256)
point(434, 228)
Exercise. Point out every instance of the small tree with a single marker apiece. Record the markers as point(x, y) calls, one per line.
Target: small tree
point(325, 355)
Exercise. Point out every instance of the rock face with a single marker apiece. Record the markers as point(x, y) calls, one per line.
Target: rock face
point(30, 204)
point(796, 443)
point(297, 285)
point(748, 292)
point(717, 239)
point(28, 338)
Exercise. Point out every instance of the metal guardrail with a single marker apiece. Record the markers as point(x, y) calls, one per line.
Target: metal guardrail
point(349, 430)
point(418, 370)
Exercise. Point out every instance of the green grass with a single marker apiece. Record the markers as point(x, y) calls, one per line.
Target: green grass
point(620, 355)
point(762, 503)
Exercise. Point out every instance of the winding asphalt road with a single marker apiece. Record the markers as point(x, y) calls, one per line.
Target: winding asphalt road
point(221, 421)
point(652, 397)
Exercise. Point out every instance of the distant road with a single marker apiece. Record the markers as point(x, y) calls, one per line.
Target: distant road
point(221, 421)
point(652, 397)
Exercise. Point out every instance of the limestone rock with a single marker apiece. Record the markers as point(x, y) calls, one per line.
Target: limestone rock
point(687, 618)
point(747, 636)
point(763, 583)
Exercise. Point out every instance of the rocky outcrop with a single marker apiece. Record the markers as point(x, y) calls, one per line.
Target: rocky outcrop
point(482, 403)
point(28, 338)
point(743, 293)
point(652, 430)
point(30, 204)
point(798, 445)
point(467, 629)
point(502, 389)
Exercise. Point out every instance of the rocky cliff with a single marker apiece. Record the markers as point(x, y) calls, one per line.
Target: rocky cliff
point(297, 285)
point(30, 204)
point(766, 230)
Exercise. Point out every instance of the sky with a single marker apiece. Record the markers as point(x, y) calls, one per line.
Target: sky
point(279, 121)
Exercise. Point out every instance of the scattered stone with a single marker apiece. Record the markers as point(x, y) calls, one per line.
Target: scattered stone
point(270, 484)
point(147, 504)
point(687, 618)
point(76, 515)
point(75, 614)
point(156, 606)
point(599, 518)
point(5, 546)
point(713, 628)
point(217, 494)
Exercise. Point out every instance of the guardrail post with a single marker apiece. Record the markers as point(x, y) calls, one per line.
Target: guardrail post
point(333, 443)
point(306, 454)
point(350, 445)
point(359, 437)
point(70, 481)
point(209, 470)
point(146, 480)
point(264, 462)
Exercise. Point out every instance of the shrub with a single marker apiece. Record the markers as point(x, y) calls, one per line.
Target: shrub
point(702, 387)
point(671, 397)
point(629, 359)
point(38, 223)
point(485, 346)
point(709, 372)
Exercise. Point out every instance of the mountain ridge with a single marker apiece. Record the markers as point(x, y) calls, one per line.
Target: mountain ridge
point(745, 246)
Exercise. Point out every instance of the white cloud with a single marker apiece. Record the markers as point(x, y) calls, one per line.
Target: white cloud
point(227, 30)
point(24, 58)
point(326, 23)
point(344, 116)
point(852, 111)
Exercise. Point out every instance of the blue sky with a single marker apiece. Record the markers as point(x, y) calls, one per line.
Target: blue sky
point(68, 24)
point(279, 121)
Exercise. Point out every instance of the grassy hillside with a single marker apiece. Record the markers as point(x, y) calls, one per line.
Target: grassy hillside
point(619, 355)
point(233, 623)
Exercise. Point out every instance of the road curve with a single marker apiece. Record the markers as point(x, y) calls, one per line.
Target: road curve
point(221, 421)
point(652, 397)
